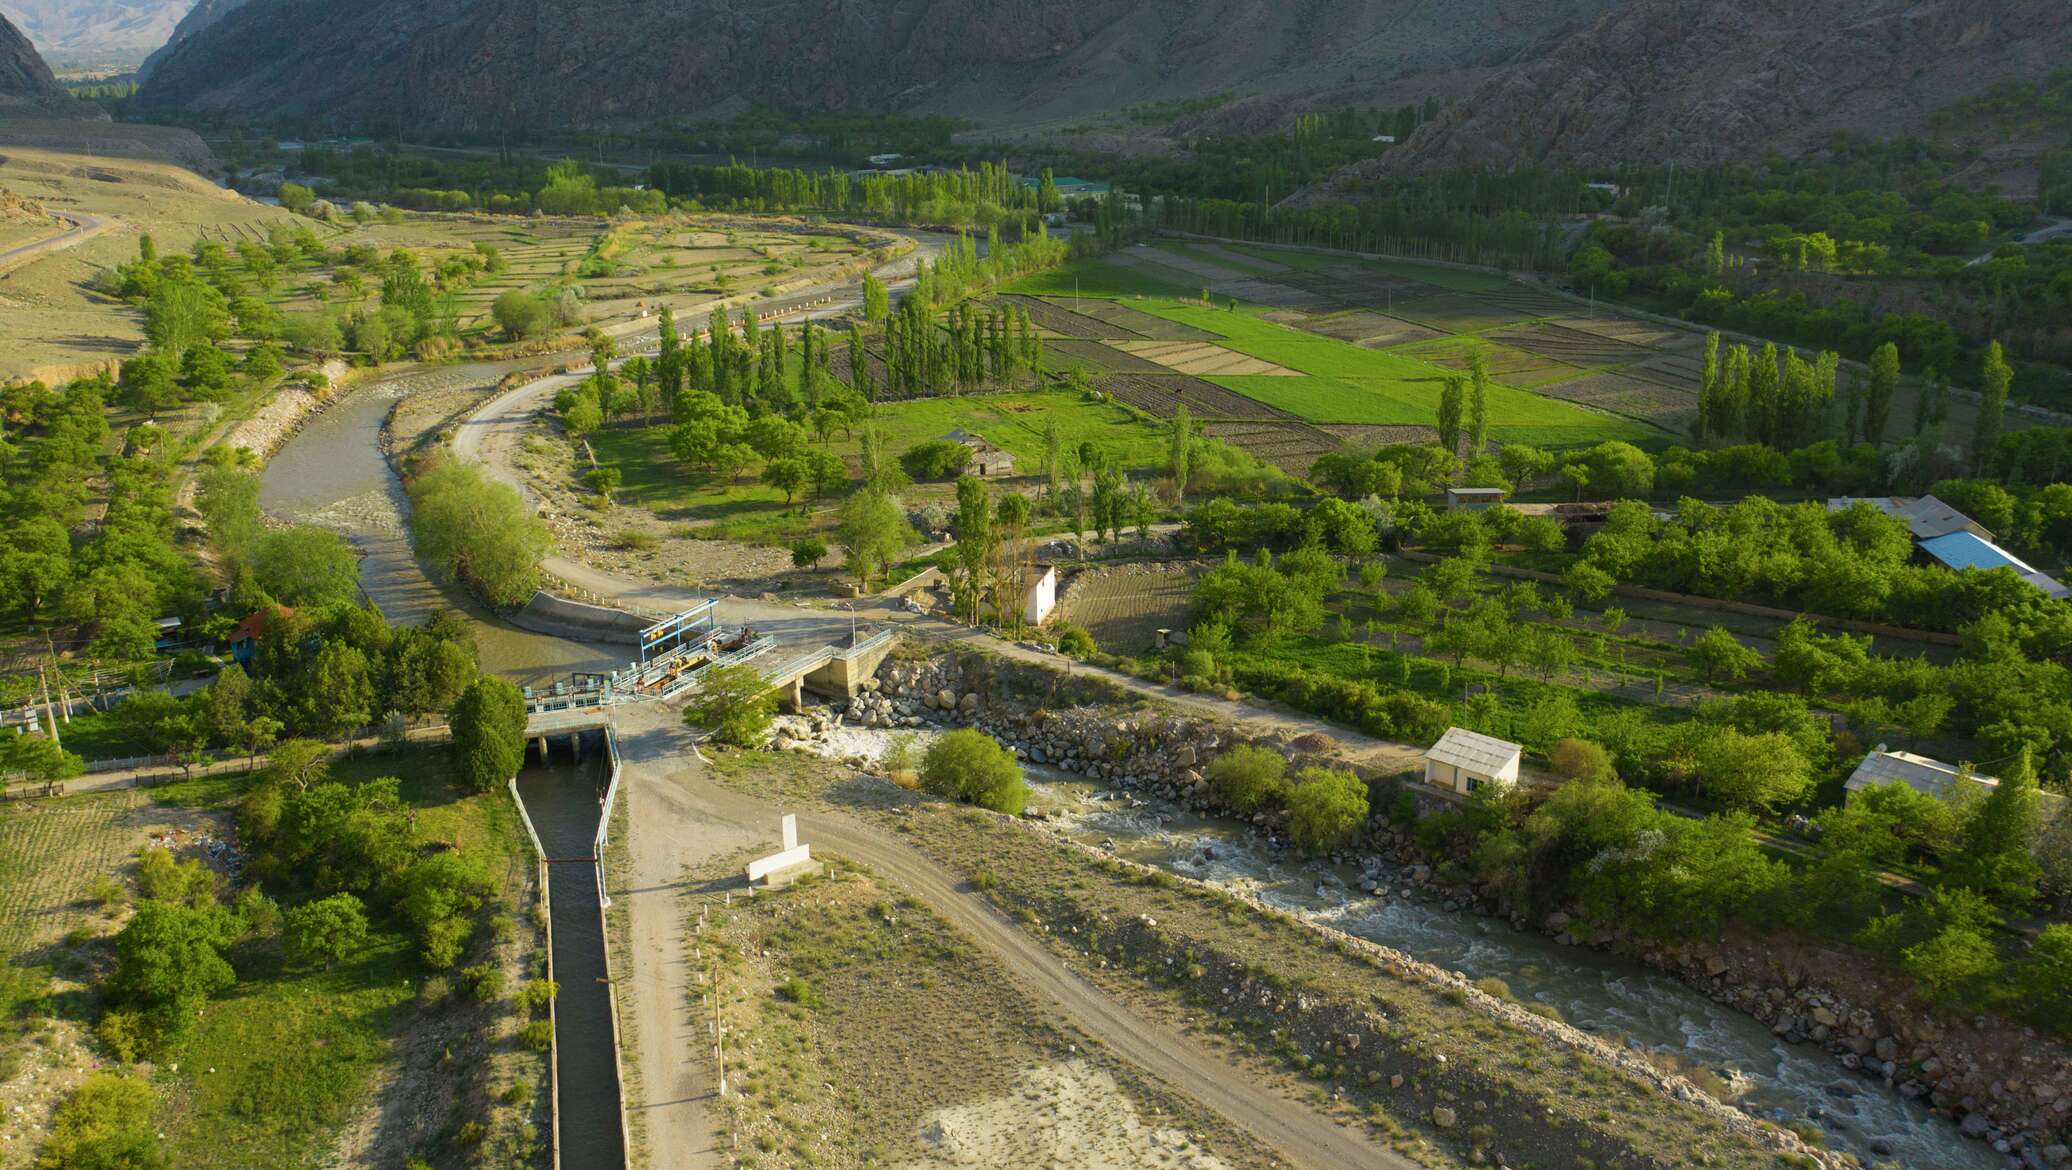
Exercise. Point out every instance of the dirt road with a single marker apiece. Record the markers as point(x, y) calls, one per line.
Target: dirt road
point(678, 815)
point(84, 228)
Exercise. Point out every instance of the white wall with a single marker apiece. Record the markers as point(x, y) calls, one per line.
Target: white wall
point(1043, 597)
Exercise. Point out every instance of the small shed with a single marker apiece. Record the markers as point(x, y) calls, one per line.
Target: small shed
point(1474, 499)
point(1042, 597)
point(1920, 773)
point(987, 461)
point(1466, 760)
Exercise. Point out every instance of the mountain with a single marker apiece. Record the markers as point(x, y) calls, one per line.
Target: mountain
point(473, 64)
point(1700, 82)
point(27, 88)
point(117, 32)
point(202, 15)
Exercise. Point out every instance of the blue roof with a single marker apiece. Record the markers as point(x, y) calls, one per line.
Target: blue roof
point(1966, 550)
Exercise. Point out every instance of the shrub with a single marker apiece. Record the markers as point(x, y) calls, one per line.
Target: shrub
point(321, 933)
point(936, 459)
point(537, 1035)
point(1075, 642)
point(1247, 779)
point(1326, 808)
point(536, 995)
point(484, 981)
point(972, 767)
point(808, 553)
point(798, 991)
point(106, 1123)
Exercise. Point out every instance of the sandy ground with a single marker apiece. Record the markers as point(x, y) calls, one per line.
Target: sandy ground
point(1065, 1116)
point(1200, 357)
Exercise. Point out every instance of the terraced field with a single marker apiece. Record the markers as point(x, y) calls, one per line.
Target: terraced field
point(1294, 447)
point(1124, 608)
point(1135, 322)
point(1161, 397)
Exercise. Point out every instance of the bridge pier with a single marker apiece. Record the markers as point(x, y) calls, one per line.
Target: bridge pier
point(542, 743)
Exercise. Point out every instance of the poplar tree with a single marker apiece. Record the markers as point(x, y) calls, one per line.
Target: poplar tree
point(1180, 451)
point(1708, 392)
point(1879, 392)
point(1994, 377)
point(1451, 403)
point(1478, 404)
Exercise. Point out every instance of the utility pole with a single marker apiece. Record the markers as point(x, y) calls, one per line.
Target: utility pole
point(49, 715)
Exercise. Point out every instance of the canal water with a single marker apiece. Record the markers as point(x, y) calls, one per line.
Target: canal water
point(333, 474)
point(1597, 993)
point(564, 800)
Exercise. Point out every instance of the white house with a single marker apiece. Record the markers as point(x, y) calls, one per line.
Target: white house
point(1042, 596)
point(1465, 760)
point(1917, 772)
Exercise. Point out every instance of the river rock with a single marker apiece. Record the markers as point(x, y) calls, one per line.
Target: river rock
point(968, 703)
point(1444, 1118)
point(946, 699)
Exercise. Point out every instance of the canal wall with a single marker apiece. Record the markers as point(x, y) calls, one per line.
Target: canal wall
point(566, 808)
point(559, 617)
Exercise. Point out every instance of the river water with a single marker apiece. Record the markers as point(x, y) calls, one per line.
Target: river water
point(334, 474)
point(1598, 993)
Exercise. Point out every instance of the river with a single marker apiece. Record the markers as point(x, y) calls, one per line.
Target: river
point(334, 474)
point(1598, 993)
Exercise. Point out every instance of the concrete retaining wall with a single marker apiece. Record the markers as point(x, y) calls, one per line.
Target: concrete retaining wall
point(562, 618)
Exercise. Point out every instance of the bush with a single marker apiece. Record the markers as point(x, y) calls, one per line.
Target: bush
point(936, 459)
point(1326, 809)
point(484, 981)
point(808, 553)
point(972, 767)
point(1247, 779)
point(321, 933)
point(798, 991)
point(106, 1125)
point(537, 1035)
point(536, 995)
point(1075, 642)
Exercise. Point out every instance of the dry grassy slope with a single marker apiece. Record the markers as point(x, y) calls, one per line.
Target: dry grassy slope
point(1703, 82)
point(1005, 62)
point(54, 327)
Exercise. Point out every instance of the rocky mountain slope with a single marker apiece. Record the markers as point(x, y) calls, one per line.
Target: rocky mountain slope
point(27, 89)
point(487, 63)
point(202, 15)
point(1699, 81)
point(99, 31)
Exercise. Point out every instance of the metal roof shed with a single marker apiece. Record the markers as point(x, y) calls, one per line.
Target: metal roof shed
point(1963, 550)
point(1466, 760)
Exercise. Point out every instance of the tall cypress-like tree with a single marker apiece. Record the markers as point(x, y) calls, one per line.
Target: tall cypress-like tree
point(1452, 403)
point(1879, 392)
point(1707, 423)
point(1994, 378)
point(1478, 404)
point(1765, 392)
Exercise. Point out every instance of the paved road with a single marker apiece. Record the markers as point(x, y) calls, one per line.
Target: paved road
point(677, 813)
point(84, 228)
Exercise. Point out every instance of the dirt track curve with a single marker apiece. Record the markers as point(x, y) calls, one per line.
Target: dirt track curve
point(709, 821)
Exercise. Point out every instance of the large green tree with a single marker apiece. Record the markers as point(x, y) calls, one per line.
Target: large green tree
point(488, 725)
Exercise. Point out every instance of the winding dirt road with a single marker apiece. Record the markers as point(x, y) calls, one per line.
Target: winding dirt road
point(84, 228)
point(678, 816)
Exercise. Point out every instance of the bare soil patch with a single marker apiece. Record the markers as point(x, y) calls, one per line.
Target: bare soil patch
point(1635, 398)
point(1291, 446)
point(1204, 359)
point(1575, 346)
point(1371, 436)
point(1063, 322)
point(1373, 330)
point(1135, 321)
point(1124, 606)
point(1162, 394)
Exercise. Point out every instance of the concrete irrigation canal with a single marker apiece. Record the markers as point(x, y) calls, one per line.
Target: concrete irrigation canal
point(564, 798)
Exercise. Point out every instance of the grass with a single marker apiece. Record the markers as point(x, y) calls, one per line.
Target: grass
point(101, 735)
point(1348, 383)
point(1097, 278)
point(1452, 278)
point(278, 1064)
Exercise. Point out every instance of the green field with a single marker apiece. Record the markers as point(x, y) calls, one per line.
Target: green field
point(1347, 383)
point(1097, 278)
point(1432, 274)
